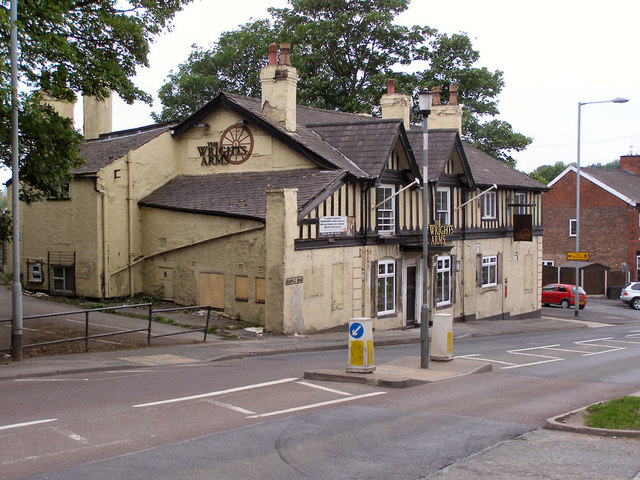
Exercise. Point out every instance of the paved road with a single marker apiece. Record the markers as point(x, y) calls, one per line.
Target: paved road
point(256, 417)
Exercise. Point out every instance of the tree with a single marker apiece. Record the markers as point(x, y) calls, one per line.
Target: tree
point(344, 51)
point(207, 73)
point(546, 173)
point(91, 47)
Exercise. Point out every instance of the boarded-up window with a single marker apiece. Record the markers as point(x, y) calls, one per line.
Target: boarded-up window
point(261, 290)
point(242, 288)
point(212, 290)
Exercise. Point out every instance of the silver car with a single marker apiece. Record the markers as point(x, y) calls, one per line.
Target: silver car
point(631, 295)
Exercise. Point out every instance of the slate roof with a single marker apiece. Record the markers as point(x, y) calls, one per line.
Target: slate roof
point(486, 171)
point(100, 152)
point(441, 144)
point(367, 143)
point(239, 194)
point(623, 181)
point(307, 142)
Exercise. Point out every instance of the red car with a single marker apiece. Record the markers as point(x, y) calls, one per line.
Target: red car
point(563, 295)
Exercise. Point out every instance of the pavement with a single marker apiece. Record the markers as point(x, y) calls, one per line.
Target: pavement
point(401, 373)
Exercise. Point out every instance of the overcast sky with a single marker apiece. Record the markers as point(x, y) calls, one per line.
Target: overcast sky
point(554, 54)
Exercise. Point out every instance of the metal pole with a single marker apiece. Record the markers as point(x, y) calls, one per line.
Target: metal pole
point(576, 295)
point(16, 287)
point(424, 317)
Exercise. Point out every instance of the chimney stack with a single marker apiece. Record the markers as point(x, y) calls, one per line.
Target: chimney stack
point(630, 163)
point(62, 107)
point(97, 117)
point(279, 81)
point(445, 115)
point(395, 105)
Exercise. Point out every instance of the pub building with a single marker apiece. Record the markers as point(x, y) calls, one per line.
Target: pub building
point(294, 217)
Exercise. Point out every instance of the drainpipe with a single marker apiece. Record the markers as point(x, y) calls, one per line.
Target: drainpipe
point(105, 248)
point(130, 222)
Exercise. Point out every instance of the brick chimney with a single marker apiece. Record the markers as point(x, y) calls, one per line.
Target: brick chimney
point(97, 117)
point(445, 115)
point(630, 163)
point(395, 105)
point(279, 81)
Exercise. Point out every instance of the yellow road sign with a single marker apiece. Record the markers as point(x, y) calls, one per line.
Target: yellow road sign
point(584, 256)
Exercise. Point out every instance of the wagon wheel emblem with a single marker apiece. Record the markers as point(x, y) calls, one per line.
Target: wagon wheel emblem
point(236, 144)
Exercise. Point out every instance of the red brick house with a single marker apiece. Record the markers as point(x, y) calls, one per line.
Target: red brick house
point(609, 223)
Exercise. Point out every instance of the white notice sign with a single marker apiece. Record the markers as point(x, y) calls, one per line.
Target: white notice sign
point(332, 226)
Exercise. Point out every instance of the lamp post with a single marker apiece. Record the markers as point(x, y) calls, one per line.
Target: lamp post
point(16, 287)
point(576, 295)
point(425, 100)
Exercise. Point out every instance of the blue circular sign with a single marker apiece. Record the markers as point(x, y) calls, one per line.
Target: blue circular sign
point(356, 330)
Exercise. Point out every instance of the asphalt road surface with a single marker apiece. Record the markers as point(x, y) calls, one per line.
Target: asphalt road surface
point(256, 418)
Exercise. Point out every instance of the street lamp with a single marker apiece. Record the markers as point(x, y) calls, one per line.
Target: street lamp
point(576, 296)
point(16, 287)
point(425, 100)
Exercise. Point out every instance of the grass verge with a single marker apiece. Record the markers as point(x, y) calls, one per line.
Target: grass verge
point(621, 414)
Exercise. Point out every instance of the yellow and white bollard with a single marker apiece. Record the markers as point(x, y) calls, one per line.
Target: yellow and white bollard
point(442, 337)
point(360, 346)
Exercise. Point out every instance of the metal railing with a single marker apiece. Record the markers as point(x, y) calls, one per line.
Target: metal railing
point(87, 312)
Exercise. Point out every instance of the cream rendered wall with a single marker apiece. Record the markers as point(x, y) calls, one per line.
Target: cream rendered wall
point(268, 153)
point(189, 244)
point(523, 278)
point(66, 226)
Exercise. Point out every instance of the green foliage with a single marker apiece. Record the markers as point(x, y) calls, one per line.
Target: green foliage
point(3, 199)
point(69, 47)
point(344, 51)
point(207, 73)
point(621, 413)
point(546, 173)
point(614, 165)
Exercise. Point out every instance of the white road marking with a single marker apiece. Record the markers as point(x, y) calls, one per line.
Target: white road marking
point(27, 424)
point(73, 436)
point(475, 356)
point(51, 380)
point(315, 405)
point(232, 407)
point(326, 389)
point(214, 394)
point(608, 347)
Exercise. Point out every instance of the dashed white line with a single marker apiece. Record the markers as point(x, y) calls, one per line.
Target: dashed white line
point(326, 389)
point(315, 405)
point(27, 424)
point(214, 394)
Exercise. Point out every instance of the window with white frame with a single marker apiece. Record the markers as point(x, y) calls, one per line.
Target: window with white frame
point(573, 227)
point(386, 287)
point(386, 210)
point(35, 271)
point(443, 196)
point(443, 281)
point(490, 271)
point(520, 199)
point(489, 206)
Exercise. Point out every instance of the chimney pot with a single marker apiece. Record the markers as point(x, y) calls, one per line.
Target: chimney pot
point(391, 86)
point(436, 96)
point(273, 54)
point(453, 94)
point(285, 52)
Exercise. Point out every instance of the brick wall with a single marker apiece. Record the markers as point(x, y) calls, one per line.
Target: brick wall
point(608, 226)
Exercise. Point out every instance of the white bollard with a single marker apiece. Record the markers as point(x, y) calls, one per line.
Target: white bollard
point(360, 346)
point(442, 337)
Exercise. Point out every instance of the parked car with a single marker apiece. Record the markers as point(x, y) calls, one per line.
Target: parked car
point(563, 295)
point(631, 295)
